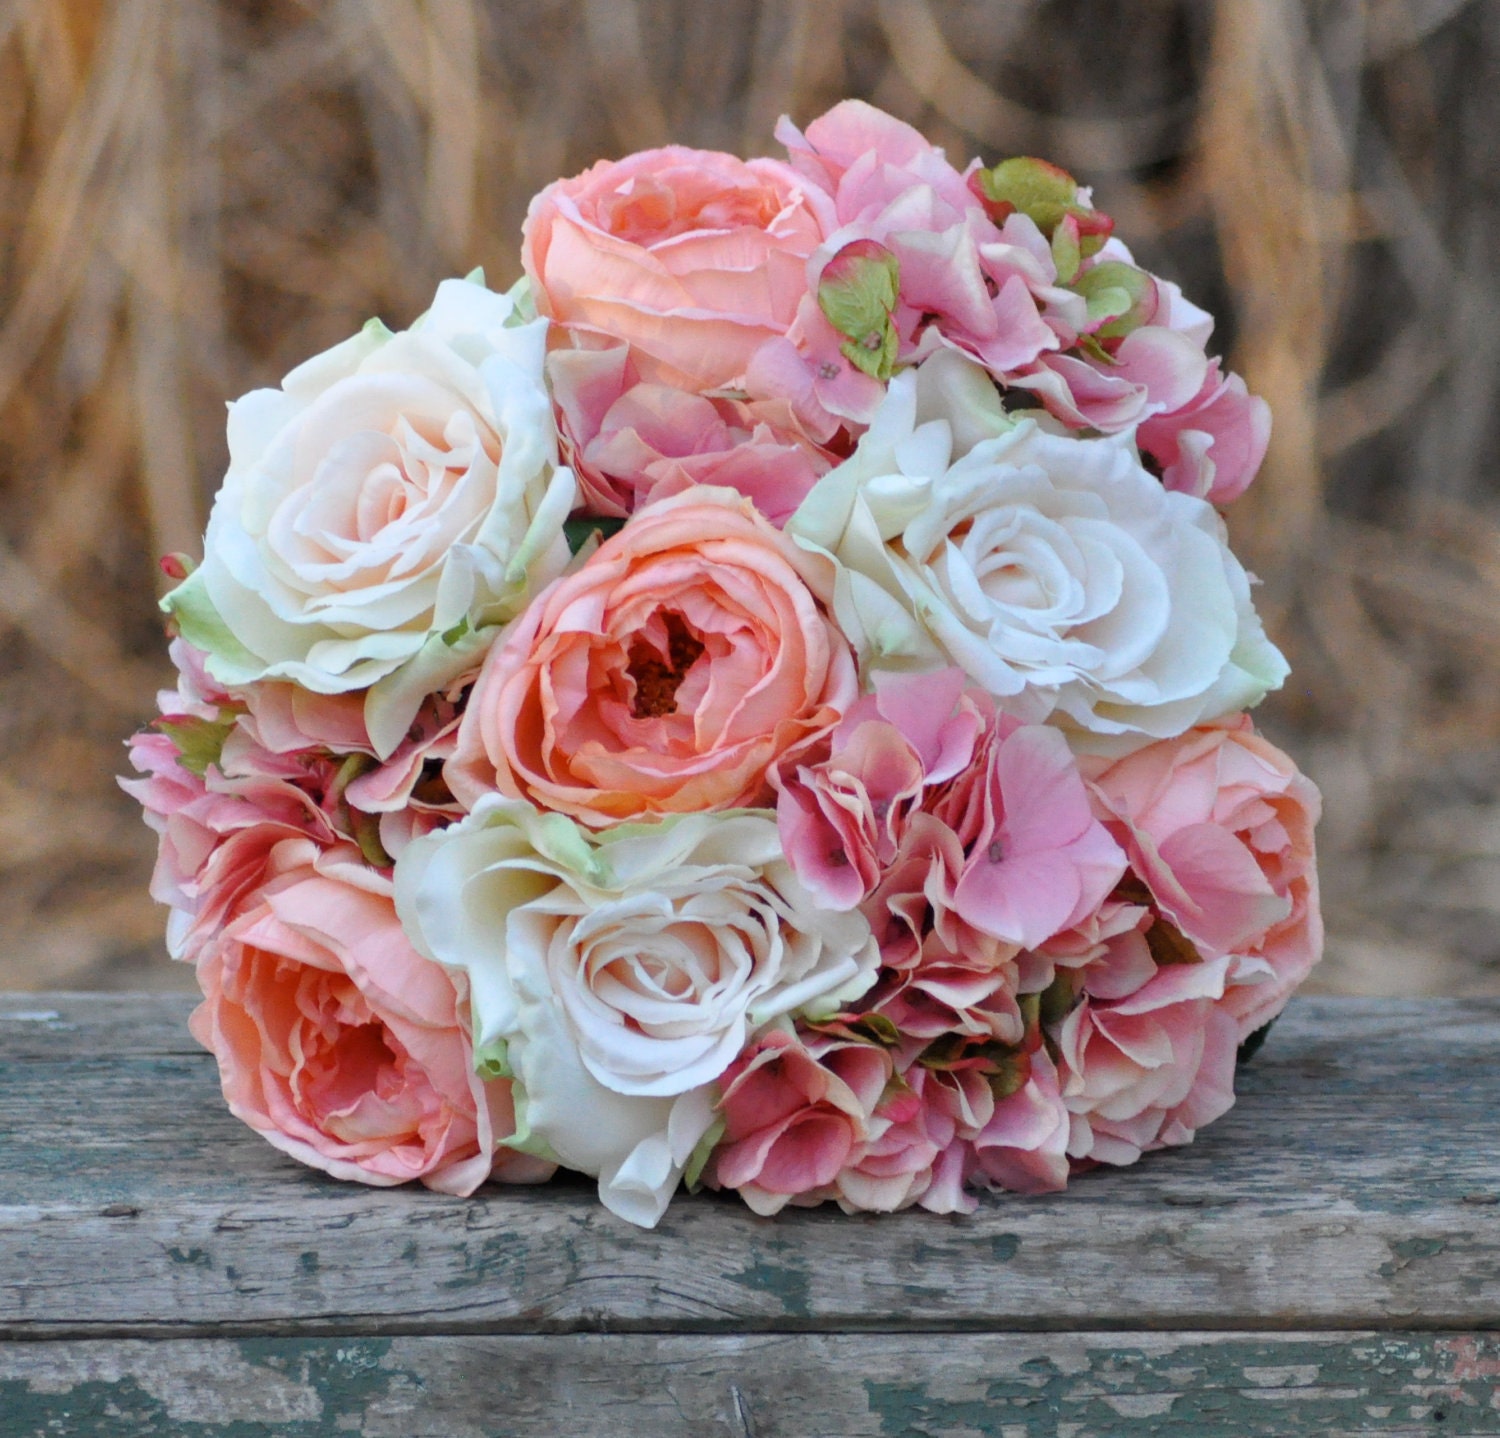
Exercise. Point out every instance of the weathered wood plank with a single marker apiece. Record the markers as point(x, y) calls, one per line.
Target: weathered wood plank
point(1353, 1187)
point(1087, 1385)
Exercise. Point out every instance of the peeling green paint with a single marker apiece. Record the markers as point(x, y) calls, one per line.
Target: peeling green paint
point(335, 1384)
point(788, 1284)
point(1251, 1388)
point(1004, 1247)
point(192, 1257)
point(1405, 1250)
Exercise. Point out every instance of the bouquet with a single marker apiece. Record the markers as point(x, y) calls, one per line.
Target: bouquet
point(761, 705)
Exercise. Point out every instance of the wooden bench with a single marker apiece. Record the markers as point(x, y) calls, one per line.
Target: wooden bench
point(1325, 1260)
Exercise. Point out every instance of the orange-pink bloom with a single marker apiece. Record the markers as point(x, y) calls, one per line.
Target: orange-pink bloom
point(693, 258)
point(667, 675)
point(338, 1042)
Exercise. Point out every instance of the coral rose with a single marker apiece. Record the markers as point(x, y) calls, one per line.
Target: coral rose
point(694, 258)
point(688, 655)
point(339, 1043)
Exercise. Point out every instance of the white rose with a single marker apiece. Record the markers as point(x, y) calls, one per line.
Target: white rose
point(1055, 571)
point(615, 976)
point(396, 496)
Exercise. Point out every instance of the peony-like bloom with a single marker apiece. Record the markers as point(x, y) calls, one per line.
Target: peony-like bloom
point(1147, 1071)
point(692, 257)
point(393, 498)
point(667, 675)
point(796, 1116)
point(339, 1043)
point(617, 976)
point(1218, 824)
point(1055, 571)
point(631, 443)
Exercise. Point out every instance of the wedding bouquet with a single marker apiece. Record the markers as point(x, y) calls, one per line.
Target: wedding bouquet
point(760, 705)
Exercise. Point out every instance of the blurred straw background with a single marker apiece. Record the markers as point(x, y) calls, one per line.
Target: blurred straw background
point(197, 194)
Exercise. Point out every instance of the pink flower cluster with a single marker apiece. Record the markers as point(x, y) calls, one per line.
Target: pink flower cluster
point(1048, 948)
point(1071, 952)
point(726, 323)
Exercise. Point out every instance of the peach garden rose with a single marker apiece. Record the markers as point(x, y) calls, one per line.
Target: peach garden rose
point(339, 1043)
point(692, 652)
point(692, 258)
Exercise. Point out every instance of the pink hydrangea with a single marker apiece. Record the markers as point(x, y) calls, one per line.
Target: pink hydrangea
point(1037, 859)
point(939, 974)
point(224, 778)
point(1148, 1070)
point(1218, 825)
point(842, 818)
point(632, 443)
point(1212, 445)
point(795, 1116)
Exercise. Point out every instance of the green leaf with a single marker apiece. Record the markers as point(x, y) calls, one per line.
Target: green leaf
point(523, 1140)
point(366, 829)
point(878, 362)
point(1058, 999)
point(578, 531)
point(201, 624)
point(1034, 187)
point(702, 1152)
point(878, 1027)
point(1120, 298)
point(1067, 249)
point(1091, 347)
point(199, 742)
point(353, 766)
point(1010, 1073)
point(858, 294)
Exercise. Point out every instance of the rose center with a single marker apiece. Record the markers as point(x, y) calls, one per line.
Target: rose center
point(658, 678)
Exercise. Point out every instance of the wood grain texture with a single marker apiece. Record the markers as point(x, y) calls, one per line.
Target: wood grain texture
point(1353, 1187)
point(1085, 1385)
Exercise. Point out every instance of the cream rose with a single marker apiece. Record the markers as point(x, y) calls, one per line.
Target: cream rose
point(616, 976)
point(396, 496)
point(1055, 571)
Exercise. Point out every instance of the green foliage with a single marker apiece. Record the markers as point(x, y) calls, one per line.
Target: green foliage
point(857, 294)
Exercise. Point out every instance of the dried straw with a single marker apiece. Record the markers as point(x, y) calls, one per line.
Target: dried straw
point(195, 194)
